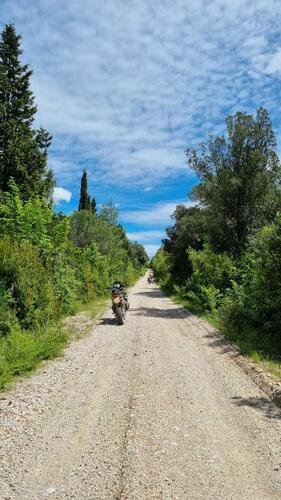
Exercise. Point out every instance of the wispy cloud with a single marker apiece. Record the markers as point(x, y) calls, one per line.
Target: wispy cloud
point(274, 65)
point(125, 85)
point(150, 239)
point(144, 236)
point(156, 215)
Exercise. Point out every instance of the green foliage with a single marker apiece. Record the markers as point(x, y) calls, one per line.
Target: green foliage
point(210, 268)
point(85, 200)
point(66, 285)
point(94, 206)
point(138, 255)
point(8, 319)
point(23, 150)
point(189, 230)
point(160, 264)
point(240, 180)
point(28, 287)
point(212, 275)
point(25, 221)
point(257, 297)
point(21, 351)
point(109, 213)
point(83, 228)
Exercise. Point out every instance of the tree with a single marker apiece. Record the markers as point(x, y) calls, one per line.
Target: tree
point(240, 180)
point(94, 206)
point(25, 221)
point(83, 228)
point(85, 200)
point(109, 213)
point(23, 150)
point(138, 254)
point(188, 231)
point(160, 265)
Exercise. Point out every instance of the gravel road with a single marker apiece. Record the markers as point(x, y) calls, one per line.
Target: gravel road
point(154, 409)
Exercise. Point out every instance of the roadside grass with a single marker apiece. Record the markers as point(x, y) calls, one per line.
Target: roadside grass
point(94, 307)
point(22, 351)
point(260, 348)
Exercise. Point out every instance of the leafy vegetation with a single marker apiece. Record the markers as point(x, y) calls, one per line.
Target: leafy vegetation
point(50, 263)
point(222, 257)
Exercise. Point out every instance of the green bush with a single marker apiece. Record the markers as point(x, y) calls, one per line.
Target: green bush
point(22, 350)
point(211, 269)
point(232, 312)
point(256, 300)
point(161, 265)
point(25, 221)
point(212, 275)
point(8, 319)
point(27, 285)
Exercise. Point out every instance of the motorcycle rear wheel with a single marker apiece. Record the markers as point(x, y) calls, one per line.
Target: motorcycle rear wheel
point(119, 316)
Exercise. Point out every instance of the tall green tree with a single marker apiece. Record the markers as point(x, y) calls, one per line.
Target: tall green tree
point(85, 200)
point(138, 254)
point(23, 150)
point(239, 180)
point(94, 206)
point(189, 230)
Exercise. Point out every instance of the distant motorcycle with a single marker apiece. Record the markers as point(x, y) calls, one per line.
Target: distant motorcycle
point(120, 302)
point(150, 278)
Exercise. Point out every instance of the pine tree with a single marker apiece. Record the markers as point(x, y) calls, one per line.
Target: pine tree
point(85, 200)
point(23, 150)
point(94, 206)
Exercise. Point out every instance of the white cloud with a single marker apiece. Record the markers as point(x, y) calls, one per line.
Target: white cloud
point(274, 65)
point(144, 236)
point(157, 215)
point(125, 85)
point(61, 194)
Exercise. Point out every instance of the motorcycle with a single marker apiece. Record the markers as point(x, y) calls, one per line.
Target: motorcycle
point(120, 302)
point(150, 278)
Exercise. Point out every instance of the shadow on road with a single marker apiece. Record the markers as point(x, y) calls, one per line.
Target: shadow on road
point(269, 408)
point(107, 321)
point(159, 313)
point(217, 340)
point(153, 293)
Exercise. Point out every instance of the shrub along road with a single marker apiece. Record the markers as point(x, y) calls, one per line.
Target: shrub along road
point(154, 409)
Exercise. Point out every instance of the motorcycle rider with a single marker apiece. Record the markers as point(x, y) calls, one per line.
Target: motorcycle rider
point(150, 278)
point(121, 286)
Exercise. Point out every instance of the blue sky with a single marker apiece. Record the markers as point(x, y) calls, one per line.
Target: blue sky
point(124, 86)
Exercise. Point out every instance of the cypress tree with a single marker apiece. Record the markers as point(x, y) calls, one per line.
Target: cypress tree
point(23, 150)
point(85, 200)
point(94, 206)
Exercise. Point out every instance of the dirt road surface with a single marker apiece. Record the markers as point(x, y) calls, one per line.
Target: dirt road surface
point(155, 409)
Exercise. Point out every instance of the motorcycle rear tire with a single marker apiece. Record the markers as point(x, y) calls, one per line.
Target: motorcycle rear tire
point(119, 316)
